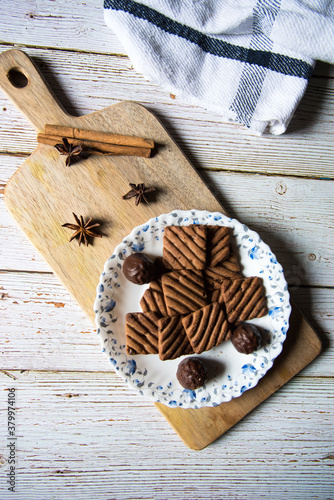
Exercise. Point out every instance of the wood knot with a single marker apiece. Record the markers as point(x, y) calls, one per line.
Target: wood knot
point(281, 188)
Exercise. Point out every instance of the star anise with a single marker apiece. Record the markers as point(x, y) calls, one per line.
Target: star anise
point(82, 229)
point(139, 191)
point(72, 153)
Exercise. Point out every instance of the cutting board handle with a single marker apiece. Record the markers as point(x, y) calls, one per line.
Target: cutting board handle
point(25, 86)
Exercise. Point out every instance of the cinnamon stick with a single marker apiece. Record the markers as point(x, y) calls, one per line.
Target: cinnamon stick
point(91, 135)
point(97, 147)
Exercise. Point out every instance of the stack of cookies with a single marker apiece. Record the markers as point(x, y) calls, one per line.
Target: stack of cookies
point(197, 299)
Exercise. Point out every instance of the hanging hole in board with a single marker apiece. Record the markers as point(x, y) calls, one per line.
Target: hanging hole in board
point(17, 78)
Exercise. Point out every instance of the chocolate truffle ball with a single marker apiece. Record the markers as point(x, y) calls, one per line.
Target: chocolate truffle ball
point(191, 373)
point(246, 338)
point(138, 268)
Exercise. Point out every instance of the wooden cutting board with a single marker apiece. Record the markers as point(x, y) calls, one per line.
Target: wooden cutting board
point(43, 193)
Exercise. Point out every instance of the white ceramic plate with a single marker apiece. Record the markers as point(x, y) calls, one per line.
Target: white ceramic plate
point(230, 373)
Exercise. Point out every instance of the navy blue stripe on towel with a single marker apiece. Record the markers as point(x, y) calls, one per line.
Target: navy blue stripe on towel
point(253, 75)
point(274, 62)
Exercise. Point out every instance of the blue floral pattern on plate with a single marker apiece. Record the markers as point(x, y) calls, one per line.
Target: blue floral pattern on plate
point(232, 373)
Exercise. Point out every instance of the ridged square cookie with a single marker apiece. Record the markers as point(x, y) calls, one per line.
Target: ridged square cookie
point(184, 247)
point(153, 299)
point(216, 295)
point(172, 338)
point(214, 276)
point(218, 245)
point(141, 332)
point(207, 327)
point(184, 291)
point(244, 298)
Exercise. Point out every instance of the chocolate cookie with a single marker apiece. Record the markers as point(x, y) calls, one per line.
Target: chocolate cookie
point(172, 339)
point(153, 299)
point(184, 247)
point(184, 291)
point(244, 299)
point(206, 327)
point(214, 276)
point(141, 331)
point(218, 245)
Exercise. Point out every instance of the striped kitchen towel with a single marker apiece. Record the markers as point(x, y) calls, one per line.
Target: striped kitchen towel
point(247, 60)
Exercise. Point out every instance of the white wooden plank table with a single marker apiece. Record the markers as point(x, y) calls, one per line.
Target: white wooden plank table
point(81, 432)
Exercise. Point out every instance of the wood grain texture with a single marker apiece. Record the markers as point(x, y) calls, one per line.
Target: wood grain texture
point(96, 438)
point(198, 428)
point(281, 202)
point(35, 195)
point(40, 214)
point(84, 84)
point(87, 435)
point(41, 320)
point(37, 24)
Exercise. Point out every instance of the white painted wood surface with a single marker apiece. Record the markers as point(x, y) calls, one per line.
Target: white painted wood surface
point(81, 432)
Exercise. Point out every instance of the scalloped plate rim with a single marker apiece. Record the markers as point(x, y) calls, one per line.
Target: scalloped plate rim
point(192, 401)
